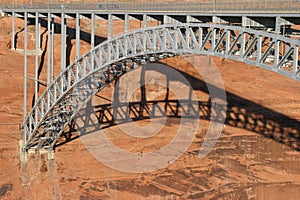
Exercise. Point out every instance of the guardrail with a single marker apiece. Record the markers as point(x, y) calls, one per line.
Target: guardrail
point(243, 6)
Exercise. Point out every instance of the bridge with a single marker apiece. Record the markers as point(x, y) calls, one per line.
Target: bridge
point(262, 35)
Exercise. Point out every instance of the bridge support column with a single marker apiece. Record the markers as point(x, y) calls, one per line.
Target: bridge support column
point(126, 23)
point(278, 25)
point(93, 37)
point(109, 26)
point(48, 49)
point(52, 47)
point(259, 46)
point(295, 62)
point(77, 35)
point(144, 20)
point(25, 71)
point(93, 30)
point(37, 45)
point(243, 44)
point(276, 56)
point(63, 41)
point(13, 45)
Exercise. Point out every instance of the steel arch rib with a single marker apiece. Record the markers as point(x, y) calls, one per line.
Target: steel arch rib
point(55, 108)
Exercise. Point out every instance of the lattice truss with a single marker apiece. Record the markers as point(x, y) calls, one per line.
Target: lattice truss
point(81, 80)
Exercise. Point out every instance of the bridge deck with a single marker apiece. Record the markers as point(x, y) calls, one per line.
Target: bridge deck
point(265, 8)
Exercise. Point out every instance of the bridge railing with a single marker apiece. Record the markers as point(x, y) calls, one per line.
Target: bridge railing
point(250, 6)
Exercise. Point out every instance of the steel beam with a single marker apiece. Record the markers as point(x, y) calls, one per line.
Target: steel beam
point(52, 47)
point(276, 55)
point(227, 44)
point(25, 73)
point(277, 24)
point(48, 49)
point(77, 35)
point(259, 48)
point(13, 45)
point(296, 60)
point(243, 43)
point(63, 42)
point(109, 26)
point(126, 23)
point(144, 20)
point(93, 38)
point(37, 45)
point(92, 30)
point(213, 39)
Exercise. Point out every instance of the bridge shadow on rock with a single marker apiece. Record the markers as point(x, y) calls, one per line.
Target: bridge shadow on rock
point(241, 113)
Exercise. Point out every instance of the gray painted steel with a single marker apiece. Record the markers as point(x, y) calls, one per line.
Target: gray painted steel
point(25, 81)
point(77, 35)
point(52, 48)
point(37, 45)
point(264, 6)
point(76, 84)
point(49, 49)
point(13, 45)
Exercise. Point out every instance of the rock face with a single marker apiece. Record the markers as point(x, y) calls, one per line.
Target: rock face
point(254, 157)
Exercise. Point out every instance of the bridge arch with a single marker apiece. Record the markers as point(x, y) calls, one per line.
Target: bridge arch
point(81, 80)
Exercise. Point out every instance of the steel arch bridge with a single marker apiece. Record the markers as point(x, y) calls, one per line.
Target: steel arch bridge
point(81, 80)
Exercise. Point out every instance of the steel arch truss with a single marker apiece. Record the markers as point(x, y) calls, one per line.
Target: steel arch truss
point(74, 86)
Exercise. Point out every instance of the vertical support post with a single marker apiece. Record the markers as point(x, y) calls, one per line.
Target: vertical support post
point(176, 40)
point(188, 19)
point(93, 31)
point(244, 21)
point(25, 72)
point(40, 35)
point(165, 19)
point(126, 23)
point(200, 36)
point(259, 45)
point(242, 48)
point(48, 48)
point(227, 47)
point(216, 20)
point(187, 38)
point(277, 25)
point(37, 43)
point(213, 38)
point(77, 35)
point(52, 47)
point(93, 38)
point(276, 54)
point(295, 62)
point(109, 28)
point(63, 42)
point(144, 20)
point(13, 45)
